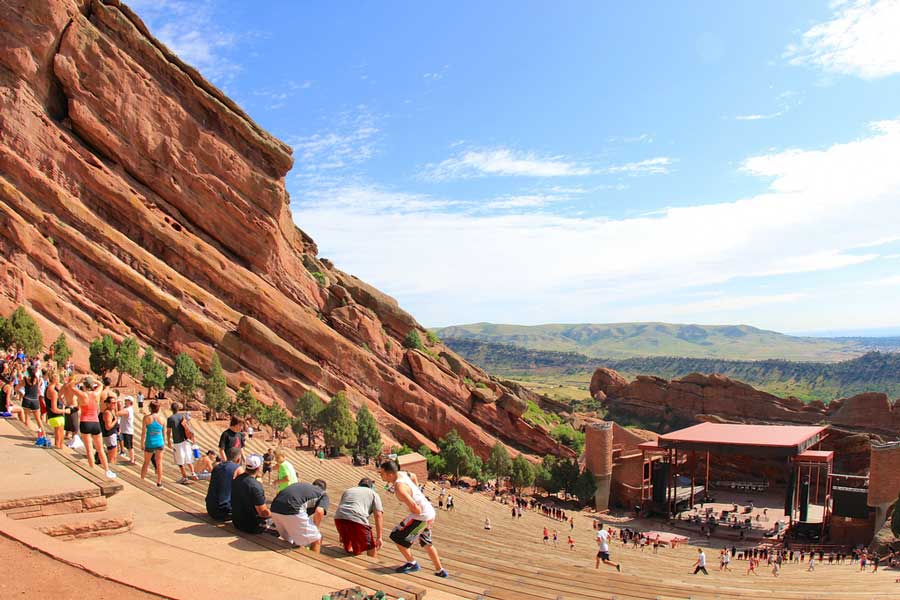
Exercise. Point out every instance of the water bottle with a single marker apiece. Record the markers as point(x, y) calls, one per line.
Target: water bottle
point(196, 450)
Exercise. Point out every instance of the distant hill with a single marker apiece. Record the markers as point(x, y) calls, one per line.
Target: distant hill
point(626, 340)
point(871, 372)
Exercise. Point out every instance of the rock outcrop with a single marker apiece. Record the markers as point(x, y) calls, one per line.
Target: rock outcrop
point(137, 199)
point(676, 403)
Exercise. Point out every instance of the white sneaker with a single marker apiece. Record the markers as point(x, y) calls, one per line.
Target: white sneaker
point(111, 475)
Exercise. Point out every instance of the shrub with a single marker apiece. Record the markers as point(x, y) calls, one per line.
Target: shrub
point(338, 426)
point(185, 376)
point(320, 277)
point(21, 331)
point(61, 350)
point(128, 359)
point(413, 341)
point(432, 337)
point(215, 388)
point(103, 355)
point(368, 438)
point(153, 372)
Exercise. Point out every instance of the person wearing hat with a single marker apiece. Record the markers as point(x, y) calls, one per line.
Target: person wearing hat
point(351, 519)
point(88, 394)
point(248, 498)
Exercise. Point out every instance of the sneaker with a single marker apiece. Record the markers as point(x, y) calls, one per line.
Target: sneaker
point(111, 475)
point(159, 485)
point(619, 568)
point(182, 480)
point(442, 573)
point(407, 568)
point(39, 441)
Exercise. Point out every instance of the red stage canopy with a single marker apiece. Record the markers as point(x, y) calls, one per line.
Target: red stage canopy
point(773, 440)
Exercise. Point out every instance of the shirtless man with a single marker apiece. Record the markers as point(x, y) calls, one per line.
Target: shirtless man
point(88, 406)
point(417, 525)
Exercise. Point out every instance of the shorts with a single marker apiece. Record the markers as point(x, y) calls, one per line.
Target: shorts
point(31, 404)
point(152, 448)
point(110, 441)
point(356, 538)
point(406, 532)
point(72, 422)
point(267, 468)
point(90, 427)
point(56, 422)
point(296, 529)
point(184, 453)
point(127, 440)
point(603, 555)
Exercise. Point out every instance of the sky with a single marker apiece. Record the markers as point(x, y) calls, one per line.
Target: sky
point(539, 162)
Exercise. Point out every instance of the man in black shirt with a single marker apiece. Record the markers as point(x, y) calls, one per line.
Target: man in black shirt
point(248, 499)
point(232, 437)
point(179, 436)
point(218, 495)
point(297, 511)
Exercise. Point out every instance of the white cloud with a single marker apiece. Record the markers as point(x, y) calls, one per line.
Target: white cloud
point(502, 161)
point(758, 117)
point(351, 141)
point(891, 281)
point(631, 139)
point(452, 265)
point(861, 39)
point(651, 166)
point(189, 29)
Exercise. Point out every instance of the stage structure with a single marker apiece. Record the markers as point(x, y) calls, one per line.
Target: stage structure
point(670, 464)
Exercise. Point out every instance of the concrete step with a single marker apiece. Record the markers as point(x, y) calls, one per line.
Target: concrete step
point(67, 503)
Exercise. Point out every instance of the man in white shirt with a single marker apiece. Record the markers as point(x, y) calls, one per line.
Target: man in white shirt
point(700, 565)
point(603, 549)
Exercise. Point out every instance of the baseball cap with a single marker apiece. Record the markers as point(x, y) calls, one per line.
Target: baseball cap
point(89, 382)
point(254, 461)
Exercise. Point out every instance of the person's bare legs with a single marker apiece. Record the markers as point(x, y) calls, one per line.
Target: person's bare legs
point(159, 470)
point(58, 437)
point(98, 446)
point(111, 455)
point(407, 553)
point(86, 441)
point(433, 555)
point(146, 466)
point(316, 546)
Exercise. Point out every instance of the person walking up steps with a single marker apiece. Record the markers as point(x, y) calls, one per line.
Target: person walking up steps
point(603, 549)
point(700, 563)
point(178, 434)
point(417, 525)
point(152, 441)
point(285, 472)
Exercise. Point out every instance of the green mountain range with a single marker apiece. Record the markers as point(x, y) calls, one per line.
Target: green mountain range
point(625, 340)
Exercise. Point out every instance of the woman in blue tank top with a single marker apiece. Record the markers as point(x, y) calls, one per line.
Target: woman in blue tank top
point(153, 442)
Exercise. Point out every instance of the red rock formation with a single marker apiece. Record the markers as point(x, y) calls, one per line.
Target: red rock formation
point(137, 199)
point(673, 404)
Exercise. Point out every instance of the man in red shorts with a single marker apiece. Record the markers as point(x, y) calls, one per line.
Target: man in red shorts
point(352, 519)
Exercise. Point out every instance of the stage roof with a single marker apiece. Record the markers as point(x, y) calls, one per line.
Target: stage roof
point(772, 440)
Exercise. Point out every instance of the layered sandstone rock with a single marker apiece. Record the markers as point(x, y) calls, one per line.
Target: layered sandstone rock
point(137, 199)
point(672, 404)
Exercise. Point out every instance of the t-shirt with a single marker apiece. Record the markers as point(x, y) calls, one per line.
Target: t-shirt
point(231, 439)
point(246, 494)
point(701, 560)
point(126, 422)
point(357, 503)
point(603, 538)
point(299, 496)
point(286, 469)
point(176, 424)
point(218, 495)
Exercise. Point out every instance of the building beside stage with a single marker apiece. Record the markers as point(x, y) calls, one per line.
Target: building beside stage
point(670, 473)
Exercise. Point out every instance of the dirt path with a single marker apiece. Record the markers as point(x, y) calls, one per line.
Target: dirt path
point(29, 574)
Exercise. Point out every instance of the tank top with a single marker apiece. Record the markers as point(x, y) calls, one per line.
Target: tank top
point(89, 412)
point(60, 404)
point(154, 435)
point(426, 510)
point(32, 390)
point(108, 432)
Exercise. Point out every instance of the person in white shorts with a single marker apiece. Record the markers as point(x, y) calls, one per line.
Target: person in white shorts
point(178, 434)
point(298, 510)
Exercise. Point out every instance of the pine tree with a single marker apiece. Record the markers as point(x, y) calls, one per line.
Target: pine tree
point(460, 459)
point(186, 376)
point(128, 359)
point(498, 462)
point(153, 372)
point(103, 355)
point(895, 520)
point(307, 410)
point(337, 422)
point(245, 403)
point(215, 387)
point(585, 486)
point(21, 331)
point(61, 351)
point(278, 419)
point(368, 437)
point(521, 473)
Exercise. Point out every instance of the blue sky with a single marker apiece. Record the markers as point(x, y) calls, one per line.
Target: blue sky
point(534, 162)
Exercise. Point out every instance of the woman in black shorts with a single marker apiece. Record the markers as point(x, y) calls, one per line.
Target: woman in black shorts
point(30, 402)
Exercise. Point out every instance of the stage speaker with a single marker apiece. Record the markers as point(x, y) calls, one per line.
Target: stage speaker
point(789, 495)
point(804, 499)
point(850, 502)
point(660, 480)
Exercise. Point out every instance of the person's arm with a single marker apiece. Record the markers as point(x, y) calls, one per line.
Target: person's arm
point(222, 447)
point(168, 434)
point(146, 422)
point(379, 526)
point(404, 495)
point(318, 515)
point(263, 511)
